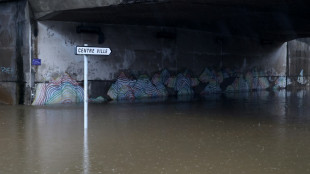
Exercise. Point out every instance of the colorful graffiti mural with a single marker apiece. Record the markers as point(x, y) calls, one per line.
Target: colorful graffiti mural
point(282, 82)
point(125, 88)
point(143, 87)
point(213, 80)
point(122, 88)
point(212, 87)
point(183, 84)
point(62, 90)
point(230, 80)
point(162, 84)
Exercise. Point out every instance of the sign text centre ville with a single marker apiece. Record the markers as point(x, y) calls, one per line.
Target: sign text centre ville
point(93, 51)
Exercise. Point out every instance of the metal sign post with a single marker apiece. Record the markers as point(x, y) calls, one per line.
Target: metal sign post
point(85, 150)
point(86, 50)
point(85, 90)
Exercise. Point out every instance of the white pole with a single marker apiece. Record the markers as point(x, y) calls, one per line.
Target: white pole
point(85, 91)
point(86, 153)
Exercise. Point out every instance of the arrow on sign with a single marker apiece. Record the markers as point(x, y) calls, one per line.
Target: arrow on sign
point(92, 51)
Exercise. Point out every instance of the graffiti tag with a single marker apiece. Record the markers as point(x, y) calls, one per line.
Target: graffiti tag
point(7, 70)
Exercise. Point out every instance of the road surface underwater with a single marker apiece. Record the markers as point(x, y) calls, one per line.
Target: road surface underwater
point(258, 132)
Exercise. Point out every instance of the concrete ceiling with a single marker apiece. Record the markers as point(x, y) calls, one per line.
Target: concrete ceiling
point(5, 0)
point(276, 20)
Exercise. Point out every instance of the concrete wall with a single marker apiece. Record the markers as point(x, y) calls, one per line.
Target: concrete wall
point(138, 49)
point(299, 61)
point(14, 51)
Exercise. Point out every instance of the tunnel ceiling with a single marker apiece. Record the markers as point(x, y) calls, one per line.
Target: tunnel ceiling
point(270, 20)
point(6, 0)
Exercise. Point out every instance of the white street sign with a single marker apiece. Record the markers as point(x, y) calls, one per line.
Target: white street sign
point(92, 51)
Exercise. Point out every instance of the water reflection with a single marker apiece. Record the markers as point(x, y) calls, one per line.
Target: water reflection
point(85, 153)
point(257, 132)
point(85, 142)
point(142, 100)
point(56, 140)
point(301, 94)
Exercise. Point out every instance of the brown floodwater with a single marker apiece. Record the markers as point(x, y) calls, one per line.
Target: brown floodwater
point(251, 133)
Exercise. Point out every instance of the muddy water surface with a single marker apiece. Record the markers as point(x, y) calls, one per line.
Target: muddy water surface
point(254, 133)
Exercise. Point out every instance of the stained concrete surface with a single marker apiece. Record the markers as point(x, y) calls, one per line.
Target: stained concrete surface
point(299, 53)
point(14, 52)
point(137, 49)
point(264, 132)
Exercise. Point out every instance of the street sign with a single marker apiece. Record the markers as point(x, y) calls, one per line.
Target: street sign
point(85, 50)
point(36, 61)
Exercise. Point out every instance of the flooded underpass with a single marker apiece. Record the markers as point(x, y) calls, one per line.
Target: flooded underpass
point(231, 62)
point(261, 132)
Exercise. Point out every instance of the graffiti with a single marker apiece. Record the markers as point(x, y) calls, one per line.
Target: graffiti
point(211, 81)
point(99, 99)
point(62, 90)
point(231, 80)
point(212, 87)
point(239, 84)
point(143, 87)
point(7, 70)
point(125, 88)
point(281, 82)
point(183, 84)
point(301, 79)
point(171, 82)
point(122, 88)
point(211, 75)
point(194, 82)
point(159, 80)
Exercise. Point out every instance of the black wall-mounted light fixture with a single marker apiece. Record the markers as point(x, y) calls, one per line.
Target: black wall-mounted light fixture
point(91, 30)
